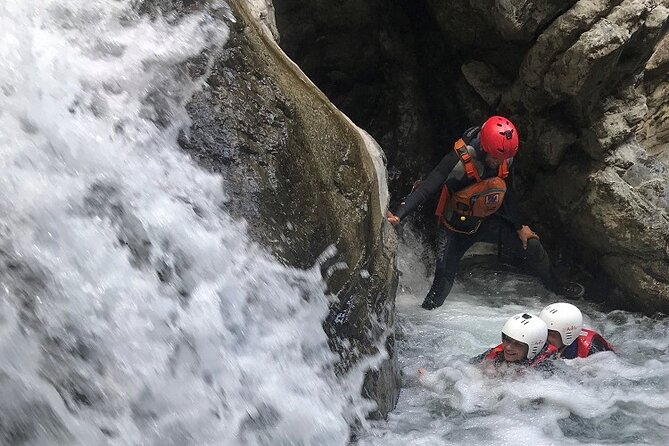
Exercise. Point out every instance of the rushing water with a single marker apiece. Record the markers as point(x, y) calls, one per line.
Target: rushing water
point(134, 310)
point(608, 398)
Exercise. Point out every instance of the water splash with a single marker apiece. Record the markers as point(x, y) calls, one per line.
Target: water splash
point(135, 310)
point(607, 398)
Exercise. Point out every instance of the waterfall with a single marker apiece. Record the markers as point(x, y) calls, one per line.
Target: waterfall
point(134, 309)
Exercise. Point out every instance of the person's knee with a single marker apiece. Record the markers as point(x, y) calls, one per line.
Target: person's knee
point(535, 250)
point(446, 268)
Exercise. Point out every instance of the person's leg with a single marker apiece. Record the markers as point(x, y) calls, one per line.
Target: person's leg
point(535, 258)
point(450, 249)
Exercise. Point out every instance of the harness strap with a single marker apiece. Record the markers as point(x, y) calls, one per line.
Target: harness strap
point(461, 149)
point(495, 352)
point(544, 355)
point(503, 170)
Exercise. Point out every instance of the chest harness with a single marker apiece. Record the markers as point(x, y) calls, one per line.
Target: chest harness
point(464, 210)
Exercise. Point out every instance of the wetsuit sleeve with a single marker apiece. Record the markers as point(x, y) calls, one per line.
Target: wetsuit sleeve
point(430, 185)
point(509, 209)
point(480, 357)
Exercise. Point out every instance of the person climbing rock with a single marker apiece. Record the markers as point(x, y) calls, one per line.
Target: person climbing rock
point(476, 205)
point(566, 332)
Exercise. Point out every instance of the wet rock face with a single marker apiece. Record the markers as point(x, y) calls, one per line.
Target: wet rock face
point(628, 200)
point(584, 81)
point(300, 175)
point(654, 136)
point(591, 60)
point(368, 59)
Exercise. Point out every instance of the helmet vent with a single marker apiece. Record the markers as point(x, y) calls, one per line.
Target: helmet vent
point(499, 137)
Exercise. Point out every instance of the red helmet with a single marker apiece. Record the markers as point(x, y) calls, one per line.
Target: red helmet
point(499, 137)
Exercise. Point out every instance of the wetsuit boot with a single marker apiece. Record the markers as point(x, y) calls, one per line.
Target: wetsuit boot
point(440, 289)
point(451, 248)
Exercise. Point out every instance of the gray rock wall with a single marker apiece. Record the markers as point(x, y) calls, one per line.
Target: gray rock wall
point(593, 130)
point(654, 135)
point(580, 90)
point(580, 98)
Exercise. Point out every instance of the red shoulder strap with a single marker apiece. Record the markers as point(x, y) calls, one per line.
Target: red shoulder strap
point(494, 352)
point(503, 170)
point(461, 149)
point(550, 350)
point(585, 341)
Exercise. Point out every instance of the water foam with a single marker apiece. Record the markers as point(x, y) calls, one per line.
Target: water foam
point(608, 398)
point(135, 310)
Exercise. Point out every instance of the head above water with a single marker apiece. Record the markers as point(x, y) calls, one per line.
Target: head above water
point(499, 137)
point(564, 320)
point(526, 329)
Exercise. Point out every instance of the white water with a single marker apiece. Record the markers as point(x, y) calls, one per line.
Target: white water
point(97, 205)
point(605, 399)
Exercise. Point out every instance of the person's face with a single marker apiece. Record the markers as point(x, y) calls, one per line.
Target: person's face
point(555, 339)
point(514, 351)
point(492, 162)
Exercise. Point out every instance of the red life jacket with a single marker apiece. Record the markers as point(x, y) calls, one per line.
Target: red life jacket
point(495, 353)
point(476, 201)
point(585, 341)
point(548, 352)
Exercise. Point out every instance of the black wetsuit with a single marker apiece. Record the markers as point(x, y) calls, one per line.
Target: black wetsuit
point(501, 227)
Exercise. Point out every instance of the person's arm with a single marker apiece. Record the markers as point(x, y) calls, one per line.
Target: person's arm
point(430, 185)
point(509, 211)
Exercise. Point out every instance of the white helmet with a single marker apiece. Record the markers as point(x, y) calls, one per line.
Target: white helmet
point(564, 318)
point(529, 330)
